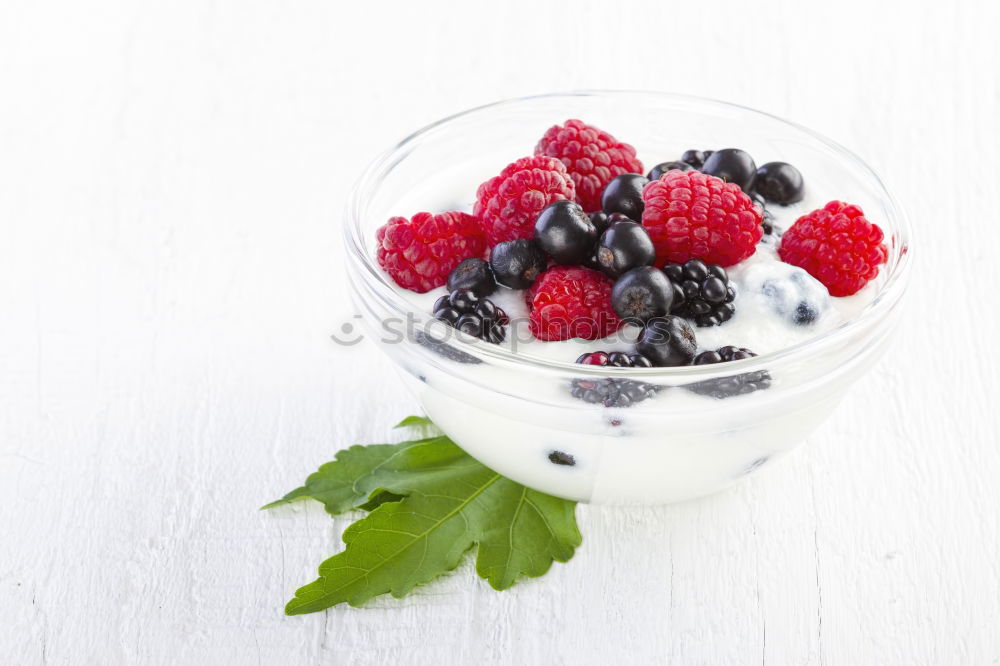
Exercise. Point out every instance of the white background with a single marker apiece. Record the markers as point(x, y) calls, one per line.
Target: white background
point(171, 181)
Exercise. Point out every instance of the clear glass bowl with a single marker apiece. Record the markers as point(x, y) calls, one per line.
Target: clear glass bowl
point(515, 414)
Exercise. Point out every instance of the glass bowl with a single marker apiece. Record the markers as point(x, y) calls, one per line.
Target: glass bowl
point(514, 413)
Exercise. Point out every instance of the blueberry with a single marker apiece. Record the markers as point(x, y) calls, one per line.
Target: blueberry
point(625, 245)
point(565, 232)
point(667, 341)
point(624, 195)
point(695, 158)
point(641, 294)
point(779, 182)
point(663, 167)
point(805, 314)
point(794, 294)
point(474, 275)
point(733, 166)
point(517, 263)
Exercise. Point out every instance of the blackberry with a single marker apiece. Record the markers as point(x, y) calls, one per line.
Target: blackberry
point(478, 317)
point(565, 232)
point(442, 348)
point(474, 275)
point(767, 218)
point(624, 195)
point(614, 359)
point(779, 182)
point(667, 341)
point(702, 292)
point(727, 387)
point(612, 391)
point(517, 263)
point(733, 166)
point(663, 167)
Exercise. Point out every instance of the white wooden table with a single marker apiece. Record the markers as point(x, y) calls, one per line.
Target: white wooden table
point(171, 180)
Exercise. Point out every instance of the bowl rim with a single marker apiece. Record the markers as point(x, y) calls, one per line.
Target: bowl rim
point(888, 296)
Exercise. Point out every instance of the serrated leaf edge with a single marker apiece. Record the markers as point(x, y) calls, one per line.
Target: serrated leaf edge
point(290, 609)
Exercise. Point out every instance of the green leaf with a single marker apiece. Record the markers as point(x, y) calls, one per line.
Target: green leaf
point(414, 422)
point(355, 478)
point(443, 503)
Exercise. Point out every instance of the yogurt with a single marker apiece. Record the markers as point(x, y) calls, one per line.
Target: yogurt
point(676, 444)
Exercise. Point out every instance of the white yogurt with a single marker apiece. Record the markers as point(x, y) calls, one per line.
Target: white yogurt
point(675, 445)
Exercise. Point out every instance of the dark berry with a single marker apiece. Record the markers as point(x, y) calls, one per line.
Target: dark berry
point(478, 317)
point(702, 292)
point(733, 166)
point(695, 158)
point(593, 358)
point(767, 218)
point(613, 391)
point(471, 324)
point(463, 300)
point(517, 263)
point(726, 387)
point(667, 341)
point(615, 359)
point(565, 232)
point(779, 182)
point(797, 298)
point(442, 303)
point(624, 195)
point(805, 313)
point(600, 221)
point(442, 348)
point(663, 167)
point(625, 245)
point(474, 275)
point(641, 294)
point(560, 458)
point(448, 315)
point(495, 332)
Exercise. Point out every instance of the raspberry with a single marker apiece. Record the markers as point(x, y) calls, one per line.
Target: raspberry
point(837, 245)
point(571, 302)
point(592, 156)
point(690, 215)
point(420, 253)
point(509, 203)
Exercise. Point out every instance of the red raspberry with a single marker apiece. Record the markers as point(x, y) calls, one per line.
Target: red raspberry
point(419, 254)
point(592, 156)
point(690, 215)
point(571, 302)
point(837, 245)
point(509, 203)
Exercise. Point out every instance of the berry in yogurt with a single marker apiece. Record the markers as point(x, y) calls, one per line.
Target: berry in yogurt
point(574, 254)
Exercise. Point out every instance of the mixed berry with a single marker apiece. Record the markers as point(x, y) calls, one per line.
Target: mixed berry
point(594, 244)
